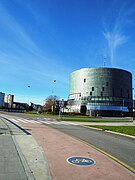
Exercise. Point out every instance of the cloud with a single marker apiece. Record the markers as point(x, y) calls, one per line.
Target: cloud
point(18, 32)
point(114, 40)
point(24, 45)
point(27, 99)
point(115, 36)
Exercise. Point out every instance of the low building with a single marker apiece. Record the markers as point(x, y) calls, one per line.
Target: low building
point(36, 107)
point(18, 106)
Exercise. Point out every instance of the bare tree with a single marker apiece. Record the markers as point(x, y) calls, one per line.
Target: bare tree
point(50, 104)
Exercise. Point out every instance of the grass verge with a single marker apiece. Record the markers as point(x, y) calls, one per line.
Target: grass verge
point(130, 130)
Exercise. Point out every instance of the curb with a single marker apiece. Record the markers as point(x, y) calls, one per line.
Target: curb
point(27, 169)
point(113, 132)
point(34, 158)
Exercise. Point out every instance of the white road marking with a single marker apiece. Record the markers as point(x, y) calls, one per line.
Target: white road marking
point(47, 122)
point(42, 122)
point(74, 124)
point(14, 120)
point(22, 120)
point(33, 121)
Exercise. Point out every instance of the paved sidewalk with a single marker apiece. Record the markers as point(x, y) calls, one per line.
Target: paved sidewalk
point(21, 158)
point(59, 146)
point(11, 167)
point(106, 123)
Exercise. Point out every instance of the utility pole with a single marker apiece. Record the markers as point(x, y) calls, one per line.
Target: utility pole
point(28, 97)
point(54, 100)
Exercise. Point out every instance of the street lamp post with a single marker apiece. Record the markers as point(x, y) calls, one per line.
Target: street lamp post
point(54, 99)
point(90, 106)
point(61, 108)
point(28, 96)
point(53, 90)
point(123, 104)
point(96, 110)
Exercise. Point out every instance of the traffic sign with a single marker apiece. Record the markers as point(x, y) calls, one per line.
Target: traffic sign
point(61, 103)
point(81, 161)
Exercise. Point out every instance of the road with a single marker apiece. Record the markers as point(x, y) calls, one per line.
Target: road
point(123, 148)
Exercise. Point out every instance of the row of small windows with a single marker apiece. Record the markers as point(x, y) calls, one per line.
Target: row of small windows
point(103, 88)
point(101, 93)
point(107, 84)
point(106, 100)
point(121, 93)
point(97, 88)
point(93, 87)
point(113, 91)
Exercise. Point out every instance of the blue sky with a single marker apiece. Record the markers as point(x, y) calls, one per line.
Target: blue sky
point(45, 40)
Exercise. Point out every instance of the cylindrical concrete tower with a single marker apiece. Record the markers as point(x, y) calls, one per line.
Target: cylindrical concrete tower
point(102, 91)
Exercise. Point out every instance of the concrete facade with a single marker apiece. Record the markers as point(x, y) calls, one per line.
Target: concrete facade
point(101, 91)
point(2, 95)
point(9, 99)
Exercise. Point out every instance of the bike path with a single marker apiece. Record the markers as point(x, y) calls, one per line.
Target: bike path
point(58, 147)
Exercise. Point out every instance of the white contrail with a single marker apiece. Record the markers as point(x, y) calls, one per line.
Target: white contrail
point(114, 40)
point(115, 36)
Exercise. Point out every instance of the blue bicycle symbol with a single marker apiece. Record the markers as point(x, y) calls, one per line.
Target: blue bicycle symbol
point(81, 161)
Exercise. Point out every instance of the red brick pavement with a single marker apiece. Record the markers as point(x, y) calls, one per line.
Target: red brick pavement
point(58, 146)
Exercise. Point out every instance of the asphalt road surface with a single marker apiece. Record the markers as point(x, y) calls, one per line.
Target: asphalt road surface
point(121, 147)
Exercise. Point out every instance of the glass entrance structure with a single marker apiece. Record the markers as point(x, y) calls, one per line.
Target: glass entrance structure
point(103, 91)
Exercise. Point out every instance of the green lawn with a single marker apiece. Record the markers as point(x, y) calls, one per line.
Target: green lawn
point(130, 130)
